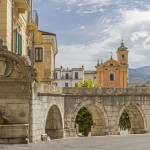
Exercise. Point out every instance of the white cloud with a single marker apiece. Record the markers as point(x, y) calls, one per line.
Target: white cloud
point(132, 28)
point(67, 10)
point(137, 35)
point(135, 17)
point(82, 27)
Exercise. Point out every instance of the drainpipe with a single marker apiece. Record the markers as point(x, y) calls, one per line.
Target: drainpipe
point(12, 25)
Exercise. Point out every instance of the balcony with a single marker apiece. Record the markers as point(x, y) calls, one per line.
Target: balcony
point(32, 21)
point(22, 5)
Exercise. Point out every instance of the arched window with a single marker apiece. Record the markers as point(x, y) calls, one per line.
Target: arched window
point(122, 57)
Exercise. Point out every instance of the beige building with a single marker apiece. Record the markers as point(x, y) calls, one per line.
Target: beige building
point(90, 74)
point(45, 49)
point(18, 23)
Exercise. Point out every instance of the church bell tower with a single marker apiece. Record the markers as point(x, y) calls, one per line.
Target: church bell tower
point(122, 54)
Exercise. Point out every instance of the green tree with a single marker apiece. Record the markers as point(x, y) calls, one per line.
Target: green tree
point(84, 119)
point(88, 83)
point(124, 122)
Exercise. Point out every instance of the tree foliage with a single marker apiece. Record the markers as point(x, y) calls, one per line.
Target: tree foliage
point(124, 122)
point(84, 119)
point(88, 83)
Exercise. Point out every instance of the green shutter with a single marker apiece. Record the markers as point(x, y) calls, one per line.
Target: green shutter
point(20, 44)
point(29, 17)
point(30, 54)
point(16, 41)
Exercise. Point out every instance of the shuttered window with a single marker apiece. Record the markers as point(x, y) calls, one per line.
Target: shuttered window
point(30, 54)
point(28, 17)
point(18, 43)
point(38, 54)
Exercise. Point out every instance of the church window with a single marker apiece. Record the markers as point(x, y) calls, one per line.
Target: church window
point(111, 64)
point(112, 77)
point(122, 56)
point(38, 54)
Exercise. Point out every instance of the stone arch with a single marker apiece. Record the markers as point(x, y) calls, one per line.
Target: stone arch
point(136, 116)
point(99, 117)
point(54, 122)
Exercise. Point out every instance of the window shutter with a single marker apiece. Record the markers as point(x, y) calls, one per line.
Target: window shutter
point(30, 54)
point(20, 44)
point(29, 17)
point(16, 41)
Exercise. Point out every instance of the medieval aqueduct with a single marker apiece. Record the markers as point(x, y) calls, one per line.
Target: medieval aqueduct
point(31, 112)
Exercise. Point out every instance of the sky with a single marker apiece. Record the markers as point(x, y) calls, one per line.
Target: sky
point(88, 30)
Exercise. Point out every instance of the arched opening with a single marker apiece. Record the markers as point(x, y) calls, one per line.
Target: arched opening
point(135, 118)
point(53, 127)
point(99, 124)
point(84, 121)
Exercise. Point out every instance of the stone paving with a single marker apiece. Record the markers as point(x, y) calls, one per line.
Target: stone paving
point(127, 142)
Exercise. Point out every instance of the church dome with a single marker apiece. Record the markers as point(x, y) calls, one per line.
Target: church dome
point(122, 47)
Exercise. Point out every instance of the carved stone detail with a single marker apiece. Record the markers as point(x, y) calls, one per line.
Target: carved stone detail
point(3, 47)
point(22, 113)
point(12, 66)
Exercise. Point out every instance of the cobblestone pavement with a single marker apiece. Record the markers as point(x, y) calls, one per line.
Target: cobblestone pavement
point(128, 142)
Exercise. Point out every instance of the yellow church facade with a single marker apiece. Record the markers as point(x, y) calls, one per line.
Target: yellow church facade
point(114, 73)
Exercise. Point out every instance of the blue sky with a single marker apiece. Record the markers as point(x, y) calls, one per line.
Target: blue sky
point(88, 30)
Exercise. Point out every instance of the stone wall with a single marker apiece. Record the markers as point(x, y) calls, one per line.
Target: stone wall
point(106, 107)
point(48, 109)
point(15, 96)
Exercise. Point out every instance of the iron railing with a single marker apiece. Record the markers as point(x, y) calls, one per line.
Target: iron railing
point(35, 17)
point(28, 2)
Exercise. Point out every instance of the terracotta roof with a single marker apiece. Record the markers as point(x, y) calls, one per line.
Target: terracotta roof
point(47, 33)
